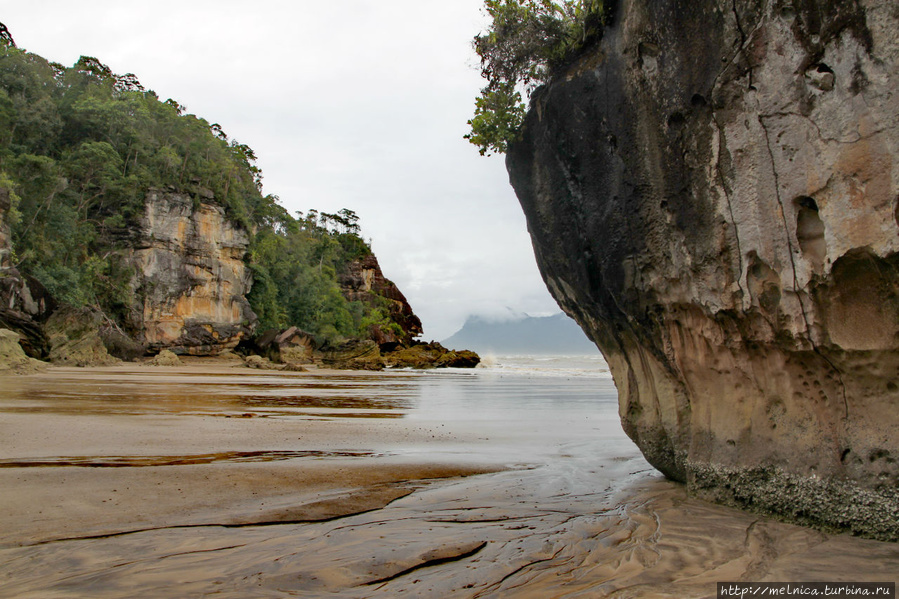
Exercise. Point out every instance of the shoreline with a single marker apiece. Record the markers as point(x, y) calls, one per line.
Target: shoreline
point(132, 481)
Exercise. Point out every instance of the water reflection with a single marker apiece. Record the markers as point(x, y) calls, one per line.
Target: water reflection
point(133, 392)
point(311, 401)
point(183, 460)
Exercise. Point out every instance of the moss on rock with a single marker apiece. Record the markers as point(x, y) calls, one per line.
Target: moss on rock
point(75, 339)
point(12, 357)
point(166, 358)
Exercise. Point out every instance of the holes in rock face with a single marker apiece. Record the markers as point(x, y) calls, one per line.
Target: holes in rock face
point(697, 100)
point(776, 411)
point(821, 76)
point(844, 455)
point(810, 233)
point(675, 118)
point(764, 284)
point(649, 57)
point(860, 308)
point(807, 202)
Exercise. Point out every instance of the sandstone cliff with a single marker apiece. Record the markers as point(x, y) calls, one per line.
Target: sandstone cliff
point(363, 281)
point(713, 194)
point(191, 278)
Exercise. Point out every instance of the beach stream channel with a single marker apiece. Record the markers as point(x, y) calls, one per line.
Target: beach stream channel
point(513, 480)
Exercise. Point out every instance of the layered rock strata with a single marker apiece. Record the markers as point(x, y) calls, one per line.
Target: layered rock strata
point(713, 194)
point(191, 279)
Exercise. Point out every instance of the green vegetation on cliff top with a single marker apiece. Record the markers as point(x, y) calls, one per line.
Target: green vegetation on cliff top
point(79, 149)
point(526, 42)
point(295, 263)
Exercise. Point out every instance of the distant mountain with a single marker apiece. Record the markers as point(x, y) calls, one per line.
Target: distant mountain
point(556, 334)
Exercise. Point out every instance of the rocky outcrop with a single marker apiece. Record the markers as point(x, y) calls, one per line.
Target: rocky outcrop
point(368, 355)
point(13, 359)
point(431, 355)
point(190, 285)
point(713, 194)
point(23, 301)
point(75, 338)
point(165, 358)
point(364, 282)
point(355, 354)
point(288, 346)
point(191, 279)
point(24, 304)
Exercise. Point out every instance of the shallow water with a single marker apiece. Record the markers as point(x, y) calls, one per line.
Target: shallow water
point(144, 482)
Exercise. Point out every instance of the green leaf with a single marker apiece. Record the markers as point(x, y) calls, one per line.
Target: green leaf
point(525, 42)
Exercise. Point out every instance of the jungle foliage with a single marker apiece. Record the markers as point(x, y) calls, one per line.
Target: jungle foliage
point(296, 262)
point(80, 147)
point(527, 40)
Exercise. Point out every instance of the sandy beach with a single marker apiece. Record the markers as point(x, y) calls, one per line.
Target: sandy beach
point(202, 480)
point(116, 458)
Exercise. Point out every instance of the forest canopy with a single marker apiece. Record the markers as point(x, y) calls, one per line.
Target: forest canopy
point(81, 146)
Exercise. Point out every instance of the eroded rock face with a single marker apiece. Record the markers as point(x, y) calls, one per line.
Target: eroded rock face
point(713, 194)
point(23, 300)
point(191, 277)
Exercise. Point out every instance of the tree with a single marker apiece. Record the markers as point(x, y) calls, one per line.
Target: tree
point(527, 40)
point(128, 83)
point(498, 115)
point(6, 36)
point(80, 146)
point(99, 174)
point(79, 149)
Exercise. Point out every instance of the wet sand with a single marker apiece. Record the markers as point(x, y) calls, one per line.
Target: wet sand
point(214, 481)
point(97, 452)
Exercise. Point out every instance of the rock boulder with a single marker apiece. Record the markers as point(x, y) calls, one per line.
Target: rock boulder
point(13, 359)
point(75, 338)
point(430, 355)
point(288, 346)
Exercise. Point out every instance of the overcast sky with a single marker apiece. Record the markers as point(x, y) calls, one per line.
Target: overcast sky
point(358, 104)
